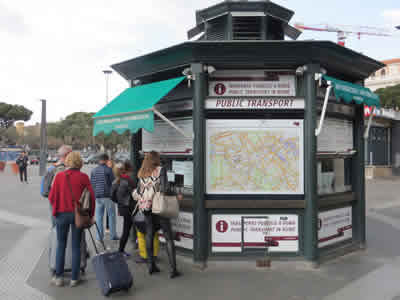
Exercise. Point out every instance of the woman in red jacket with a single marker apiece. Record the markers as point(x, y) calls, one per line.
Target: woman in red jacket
point(63, 203)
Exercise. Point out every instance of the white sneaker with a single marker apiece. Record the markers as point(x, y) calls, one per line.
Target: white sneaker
point(74, 283)
point(57, 281)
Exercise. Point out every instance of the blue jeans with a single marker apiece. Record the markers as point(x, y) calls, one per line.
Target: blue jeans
point(53, 219)
point(63, 222)
point(109, 206)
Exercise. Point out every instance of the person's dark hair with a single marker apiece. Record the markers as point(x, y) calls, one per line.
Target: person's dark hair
point(127, 165)
point(103, 156)
point(122, 168)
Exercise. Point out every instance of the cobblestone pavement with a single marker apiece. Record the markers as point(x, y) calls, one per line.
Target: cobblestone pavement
point(370, 274)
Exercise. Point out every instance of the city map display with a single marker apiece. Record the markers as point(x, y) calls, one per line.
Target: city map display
point(255, 157)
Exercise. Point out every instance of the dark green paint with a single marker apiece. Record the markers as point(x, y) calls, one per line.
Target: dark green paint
point(310, 165)
point(358, 176)
point(200, 218)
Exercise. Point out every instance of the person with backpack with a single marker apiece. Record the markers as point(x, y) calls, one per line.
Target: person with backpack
point(22, 163)
point(102, 178)
point(65, 195)
point(152, 180)
point(121, 192)
point(51, 172)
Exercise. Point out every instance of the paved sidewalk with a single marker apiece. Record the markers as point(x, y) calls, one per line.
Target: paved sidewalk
point(369, 274)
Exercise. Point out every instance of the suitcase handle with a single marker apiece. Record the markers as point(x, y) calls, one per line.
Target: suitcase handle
point(94, 243)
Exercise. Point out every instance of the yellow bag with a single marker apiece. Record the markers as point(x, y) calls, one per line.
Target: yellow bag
point(142, 244)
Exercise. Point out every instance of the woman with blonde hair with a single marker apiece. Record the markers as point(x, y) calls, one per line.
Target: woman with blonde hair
point(64, 196)
point(151, 171)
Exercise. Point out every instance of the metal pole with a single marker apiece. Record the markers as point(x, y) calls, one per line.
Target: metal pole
point(310, 167)
point(200, 217)
point(43, 140)
point(358, 176)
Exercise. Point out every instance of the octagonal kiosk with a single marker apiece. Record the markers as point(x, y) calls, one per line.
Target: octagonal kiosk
point(267, 149)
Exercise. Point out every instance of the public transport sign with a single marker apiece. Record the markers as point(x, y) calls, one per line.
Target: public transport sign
point(255, 103)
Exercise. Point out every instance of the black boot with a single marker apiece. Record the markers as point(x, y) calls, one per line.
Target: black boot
point(172, 260)
point(152, 265)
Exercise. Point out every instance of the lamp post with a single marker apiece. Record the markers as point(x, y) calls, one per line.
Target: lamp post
point(107, 73)
point(43, 140)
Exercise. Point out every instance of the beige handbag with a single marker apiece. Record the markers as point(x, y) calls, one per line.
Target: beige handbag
point(165, 206)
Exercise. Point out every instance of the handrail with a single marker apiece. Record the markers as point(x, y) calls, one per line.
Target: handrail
point(371, 116)
point(171, 123)
point(321, 121)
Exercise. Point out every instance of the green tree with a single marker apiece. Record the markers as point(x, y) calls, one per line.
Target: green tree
point(10, 113)
point(389, 96)
point(8, 136)
point(56, 130)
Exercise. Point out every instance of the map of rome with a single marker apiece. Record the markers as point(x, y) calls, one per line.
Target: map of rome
point(261, 159)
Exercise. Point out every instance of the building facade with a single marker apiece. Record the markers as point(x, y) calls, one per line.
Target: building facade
point(387, 76)
point(381, 148)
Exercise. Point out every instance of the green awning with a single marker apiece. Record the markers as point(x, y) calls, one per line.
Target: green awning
point(349, 92)
point(133, 108)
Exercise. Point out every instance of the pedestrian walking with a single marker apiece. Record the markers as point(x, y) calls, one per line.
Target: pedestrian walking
point(152, 176)
point(102, 178)
point(48, 178)
point(64, 196)
point(122, 188)
point(22, 163)
point(110, 164)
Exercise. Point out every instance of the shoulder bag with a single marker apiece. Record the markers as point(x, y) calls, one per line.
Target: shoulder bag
point(82, 207)
point(163, 205)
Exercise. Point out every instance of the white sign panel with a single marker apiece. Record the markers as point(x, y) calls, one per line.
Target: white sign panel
point(184, 168)
point(255, 157)
point(254, 103)
point(235, 83)
point(227, 232)
point(166, 139)
point(336, 135)
point(334, 226)
point(183, 227)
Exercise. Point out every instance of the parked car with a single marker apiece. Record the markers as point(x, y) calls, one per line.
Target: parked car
point(34, 160)
point(121, 156)
point(52, 159)
point(91, 159)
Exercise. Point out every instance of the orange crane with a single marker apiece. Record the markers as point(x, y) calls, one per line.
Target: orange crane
point(344, 30)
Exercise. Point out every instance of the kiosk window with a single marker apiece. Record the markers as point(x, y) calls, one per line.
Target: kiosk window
point(334, 175)
point(179, 175)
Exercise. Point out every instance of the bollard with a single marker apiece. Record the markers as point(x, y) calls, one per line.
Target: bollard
point(14, 168)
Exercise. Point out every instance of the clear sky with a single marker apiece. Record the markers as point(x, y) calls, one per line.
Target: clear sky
point(57, 50)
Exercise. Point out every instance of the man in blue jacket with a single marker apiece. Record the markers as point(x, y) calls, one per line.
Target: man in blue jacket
point(102, 178)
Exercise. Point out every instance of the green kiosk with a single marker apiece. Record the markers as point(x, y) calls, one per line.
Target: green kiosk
point(263, 136)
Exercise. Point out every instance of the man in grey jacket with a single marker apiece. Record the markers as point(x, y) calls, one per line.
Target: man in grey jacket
point(101, 178)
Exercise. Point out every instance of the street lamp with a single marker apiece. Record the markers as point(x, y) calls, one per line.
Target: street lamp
point(107, 73)
point(43, 140)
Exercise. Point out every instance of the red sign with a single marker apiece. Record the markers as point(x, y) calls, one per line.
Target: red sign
point(220, 89)
point(368, 110)
point(222, 226)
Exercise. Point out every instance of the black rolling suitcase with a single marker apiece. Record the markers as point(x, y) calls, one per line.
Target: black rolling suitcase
point(111, 269)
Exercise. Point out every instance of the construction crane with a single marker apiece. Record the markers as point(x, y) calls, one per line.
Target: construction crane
point(345, 30)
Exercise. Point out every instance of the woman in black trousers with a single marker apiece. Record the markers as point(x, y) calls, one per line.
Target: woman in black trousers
point(122, 187)
point(151, 173)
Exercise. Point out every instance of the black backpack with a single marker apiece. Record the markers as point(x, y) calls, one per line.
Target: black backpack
point(114, 190)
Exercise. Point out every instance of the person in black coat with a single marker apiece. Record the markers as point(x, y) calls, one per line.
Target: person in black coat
point(122, 188)
point(22, 162)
